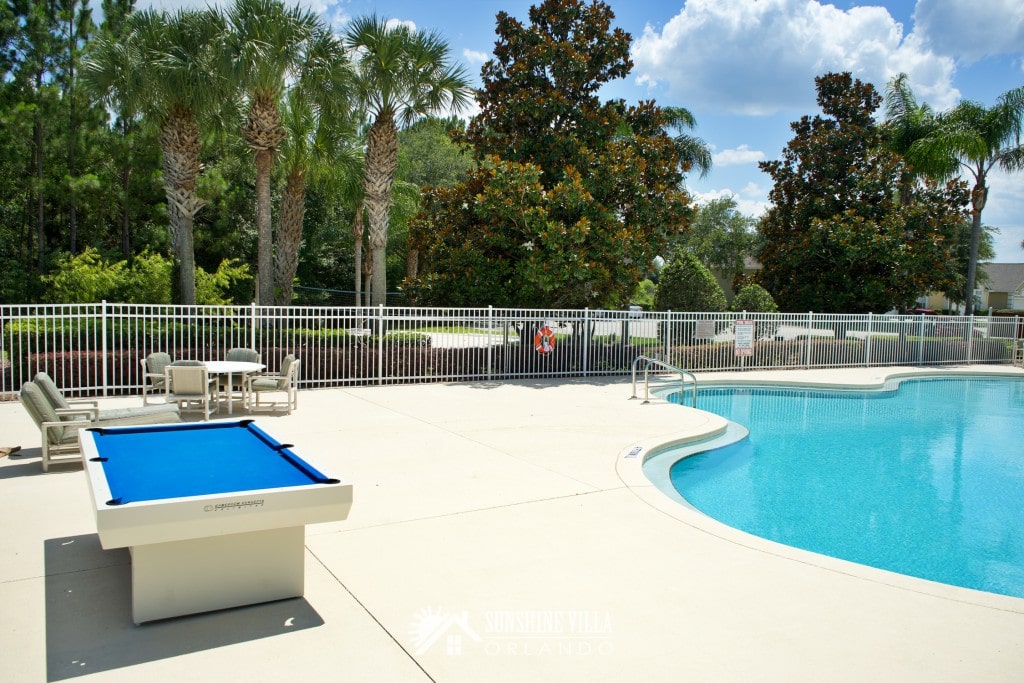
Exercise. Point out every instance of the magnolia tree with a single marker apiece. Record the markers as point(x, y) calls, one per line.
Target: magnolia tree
point(844, 233)
point(571, 197)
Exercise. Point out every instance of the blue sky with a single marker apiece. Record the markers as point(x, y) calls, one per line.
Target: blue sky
point(746, 68)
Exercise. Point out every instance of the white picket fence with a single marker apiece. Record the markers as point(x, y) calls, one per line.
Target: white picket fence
point(95, 349)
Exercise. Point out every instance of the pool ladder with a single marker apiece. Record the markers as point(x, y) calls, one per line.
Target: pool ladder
point(648, 362)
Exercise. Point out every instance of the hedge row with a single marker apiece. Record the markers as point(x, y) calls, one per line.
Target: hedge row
point(415, 360)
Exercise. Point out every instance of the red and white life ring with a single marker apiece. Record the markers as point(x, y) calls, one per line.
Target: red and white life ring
point(544, 340)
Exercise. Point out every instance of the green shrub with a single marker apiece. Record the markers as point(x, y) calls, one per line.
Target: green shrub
point(90, 277)
point(148, 281)
point(754, 298)
point(643, 295)
point(85, 278)
point(404, 339)
point(687, 285)
point(215, 289)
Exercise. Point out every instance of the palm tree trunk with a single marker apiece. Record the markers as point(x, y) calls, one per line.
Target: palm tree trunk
point(182, 241)
point(265, 256)
point(289, 235)
point(180, 144)
point(263, 133)
point(379, 176)
point(978, 197)
point(367, 272)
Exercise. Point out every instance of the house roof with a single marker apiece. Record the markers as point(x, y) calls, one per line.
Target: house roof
point(1004, 277)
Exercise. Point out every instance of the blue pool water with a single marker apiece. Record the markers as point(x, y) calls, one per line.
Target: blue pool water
point(925, 480)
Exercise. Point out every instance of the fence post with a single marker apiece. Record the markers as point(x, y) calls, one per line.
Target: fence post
point(668, 336)
point(490, 341)
point(586, 341)
point(970, 339)
point(867, 342)
point(252, 326)
point(103, 342)
point(1016, 340)
point(753, 343)
point(810, 328)
point(380, 344)
point(920, 343)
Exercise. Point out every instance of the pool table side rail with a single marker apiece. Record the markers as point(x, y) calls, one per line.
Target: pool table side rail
point(175, 519)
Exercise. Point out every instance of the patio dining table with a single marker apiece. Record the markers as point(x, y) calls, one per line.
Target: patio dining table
point(230, 368)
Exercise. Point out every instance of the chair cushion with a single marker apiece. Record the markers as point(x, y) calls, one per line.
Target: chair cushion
point(143, 412)
point(50, 390)
point(156, 362)
point(39, 408)
point(148, 418)
point(243, 355)
point(268, 383)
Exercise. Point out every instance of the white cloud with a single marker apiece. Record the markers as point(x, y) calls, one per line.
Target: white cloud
point(750, 201)
point(336, 17)
point(1005, 210)
point(409, 24)
point(759, 58)
point(735, 157)
point(971, 30)
point(171, 5)
point(474, 56)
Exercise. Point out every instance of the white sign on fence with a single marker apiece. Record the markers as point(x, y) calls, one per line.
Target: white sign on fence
point(705, 329)
point(744, 337)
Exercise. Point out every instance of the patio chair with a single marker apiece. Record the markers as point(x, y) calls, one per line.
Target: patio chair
point(286, 381)
point(85, 409)
point(242, 355)
point(192, 388)
point(59, 434)
point(153, 374)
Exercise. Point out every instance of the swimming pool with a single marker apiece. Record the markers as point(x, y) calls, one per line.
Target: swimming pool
point(925, 478)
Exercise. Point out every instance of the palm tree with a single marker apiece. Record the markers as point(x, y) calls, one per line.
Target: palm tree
point(906, 123)
point(320, 146)
point(267, 45)
point(165, 66)
point(693, 152)
point(975, 139)
point(401, 75)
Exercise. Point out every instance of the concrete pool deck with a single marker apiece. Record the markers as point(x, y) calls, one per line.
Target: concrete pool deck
point(500, 532)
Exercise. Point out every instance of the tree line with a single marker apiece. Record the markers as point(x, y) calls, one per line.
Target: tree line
point(177, 133)
point(254, 142)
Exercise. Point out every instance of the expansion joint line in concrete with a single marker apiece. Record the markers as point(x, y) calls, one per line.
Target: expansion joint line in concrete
point(374, 617)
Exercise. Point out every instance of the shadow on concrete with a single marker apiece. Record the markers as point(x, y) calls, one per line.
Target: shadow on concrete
point(27, 463)
point(89, 615)
point(548, 382)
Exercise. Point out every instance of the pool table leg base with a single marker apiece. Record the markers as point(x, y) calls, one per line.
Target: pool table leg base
point(217, 572)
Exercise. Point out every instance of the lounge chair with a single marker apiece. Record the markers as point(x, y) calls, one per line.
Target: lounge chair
point(191, 388)
point(153, 374)
point(82, 409)
point(59, 432)
point(286, 380)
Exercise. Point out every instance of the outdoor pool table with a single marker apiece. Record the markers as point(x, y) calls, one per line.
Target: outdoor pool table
point(214, 513)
